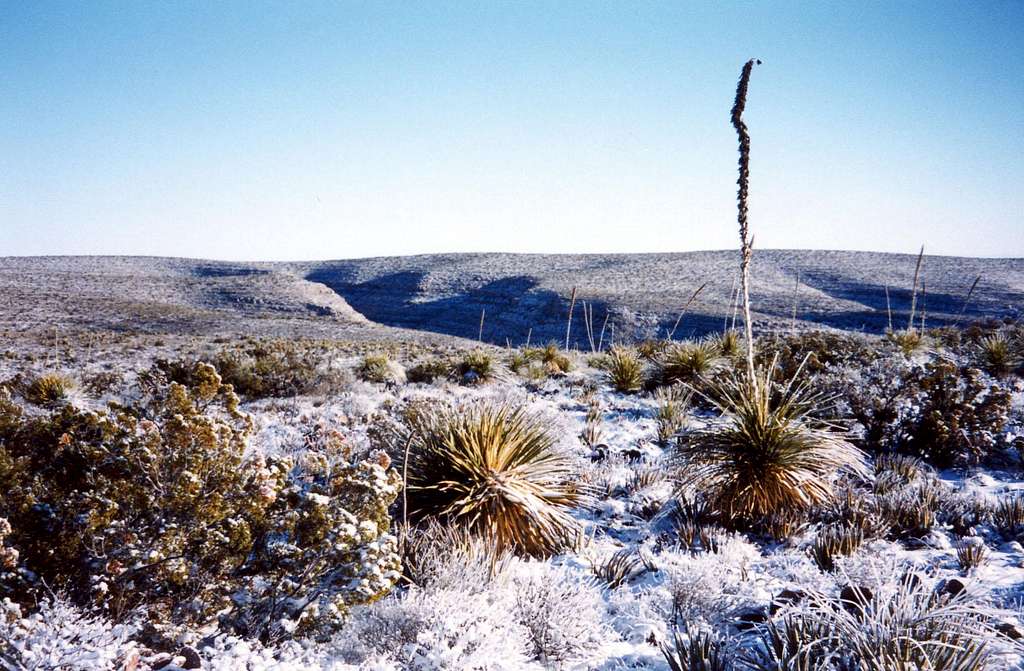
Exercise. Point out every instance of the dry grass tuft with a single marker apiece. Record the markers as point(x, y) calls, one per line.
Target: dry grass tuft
point(625, 370)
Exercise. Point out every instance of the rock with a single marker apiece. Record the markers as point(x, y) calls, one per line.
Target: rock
point(855, 598)
point(787, 597)
point(1009, 630)
point(952, 587)
point(749, 618)
point(633, 454)
point(599, 453)
point(160, 660)
point(192, 658)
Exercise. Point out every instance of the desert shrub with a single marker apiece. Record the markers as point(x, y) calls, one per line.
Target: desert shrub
point(730, 345)
point(48, 389)
point(474, 367)
point(618, 568)
point(908, 341)
point(379, 369)
point(156, 506)
point(263, 369)
point(673, 406)
point(939, 412)
point(562, 614)
point(814, 352)
point(428, 371)
point(592, 421)
point(770, 454)
point(651, 349)
point(444, 556)
point(700, 651)
point(835, 540)
point(689, 362)
point(436, 629)
point(100, 383)
point(492, 468)
point(61, 636)
point(905, 468)
point(997, 354)
point(624, 370)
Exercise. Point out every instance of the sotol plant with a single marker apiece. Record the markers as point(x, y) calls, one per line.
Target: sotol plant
point(494, 469)
point(771, 454)
point(625, 370)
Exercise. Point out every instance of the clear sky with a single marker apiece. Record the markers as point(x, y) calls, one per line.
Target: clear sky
point(304, 130)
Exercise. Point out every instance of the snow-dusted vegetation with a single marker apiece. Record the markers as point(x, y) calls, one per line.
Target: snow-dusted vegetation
point(176, 502)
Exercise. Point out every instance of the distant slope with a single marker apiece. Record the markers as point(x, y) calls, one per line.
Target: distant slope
point(519, 294)
point(644, 293)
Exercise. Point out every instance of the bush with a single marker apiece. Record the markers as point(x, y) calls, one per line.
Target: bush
point(562, 615)
point(47, 390)
point(379, 369)
point(156, 506)
point(494, 469)
point(553, 360)
point(428, 371)
point(770, 454)
point(940, 412)
point(624, 370)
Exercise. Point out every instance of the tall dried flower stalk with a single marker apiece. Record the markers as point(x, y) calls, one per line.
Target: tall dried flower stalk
point(913, 295)
point(568, 326)
point(746, 244)
point(686, 307)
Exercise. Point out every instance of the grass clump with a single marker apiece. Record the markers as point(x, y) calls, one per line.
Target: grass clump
point(690, 362)
point(701, 651)
point(770, 454)
point(909, 341)
point(835, 540)
point(971, 555)
point(428, 371)
point(673, 406)
point(625, 370)
point(492, 468)
point(48, 389)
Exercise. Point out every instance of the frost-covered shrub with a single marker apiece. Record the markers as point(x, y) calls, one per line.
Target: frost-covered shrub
point(475, 367)
point(267, 368)
point(815, 352)
point(562, 613)
point(60, 636)
point(48, 389)
point(940, 412)
point(442, 556)
point(427, 630)
point(156, 506)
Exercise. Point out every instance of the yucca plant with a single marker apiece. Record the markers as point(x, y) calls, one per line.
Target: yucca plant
point(909, 341)
point(619, 568)
point(690, 361)
point(625, 370)
point(1008, 515)
point(378, 368)
point(700, 651)
point(492, 468)
point(554, 360)
point(771, 453)
point(997, 356)
point(835, 540)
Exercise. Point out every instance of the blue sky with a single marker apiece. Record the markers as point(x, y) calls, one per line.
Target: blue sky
point(332, 130)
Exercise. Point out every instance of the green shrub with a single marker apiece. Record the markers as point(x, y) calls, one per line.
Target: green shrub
point(156, 506)
point(625, 370)
point(493, 469)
